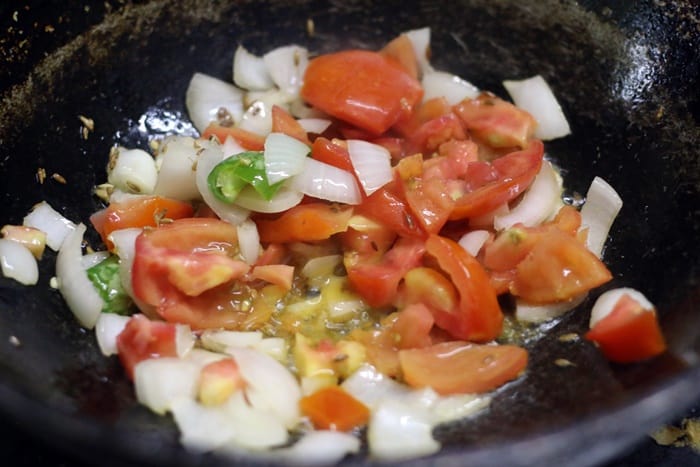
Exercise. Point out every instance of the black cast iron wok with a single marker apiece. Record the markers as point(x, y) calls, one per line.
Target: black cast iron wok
point(626, 75)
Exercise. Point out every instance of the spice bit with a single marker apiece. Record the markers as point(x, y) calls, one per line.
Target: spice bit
point(310, 27)
point(49, 28)
point(562, 362)
point(53, 282)
point(14, 340)
point(41, 175)
point(87, 122)
point(570, 337)
point(84, 132)
point(59, 178)
point(104, 191)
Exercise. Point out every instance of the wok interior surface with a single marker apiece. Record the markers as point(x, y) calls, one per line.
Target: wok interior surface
point(626, 77)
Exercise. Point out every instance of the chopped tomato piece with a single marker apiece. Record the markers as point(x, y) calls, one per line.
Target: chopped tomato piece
point(278, 274)
point(249, 140)
point(505, 179)
point(478, 316)
point(361, 87)
point(142, 339)
point(138, 212)
point(376, 277)
point(387, 207)
point(498, 122)
point(401, 50)
point(412, 326)
point(629, 333)
point(558, 267)
point(428, 198)
point(201, 294)
point(283, 122)
point(333, 408)
point(305, 222)
point(461, 368)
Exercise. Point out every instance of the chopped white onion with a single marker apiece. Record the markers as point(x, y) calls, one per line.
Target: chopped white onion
point(91, 259)
point(250, 71)
point(177, 161)
point(300, 109)
point(257, 118)
point(73, 283)
point(120, 196)
point(599, 212)
point(451, 87)
point(321, 266)
point(536, 97)
point(474, 240)
point(286, 66)
point(203, 357)
point(132, 170)
point(536, 313)
point(314, 125)
point(269, 385)
point(372, 164)
point(218, 340)
point(284, 199)
point(275, 347)
point(325, 181)
point(206, 96)
point(538, 202)
point(257, 428)
point(248, 241)
point(18, 262)
point(51, 222)
point(184, 340)
point(399, 431)
point(107, 328)
point(319, 447)
point(159, 382)
point(284, 157)
point(208, 159)
point(420, 39)
point(605, 304)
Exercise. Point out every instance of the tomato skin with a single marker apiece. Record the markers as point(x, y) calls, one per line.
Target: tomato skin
point(387, 207)
point(514, 172)
point(137, 212)
point(142, 339)
point(311, 221)
point(250, 141)
point(498, 122)
point(376, 277)
point(362, 88)
point(629, 333)
point(459, 368)
point(558, 267)
point(412, 327)
point(478, 317)
point(283, 122)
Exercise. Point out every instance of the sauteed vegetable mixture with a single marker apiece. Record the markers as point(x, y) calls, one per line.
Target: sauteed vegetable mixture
point(344, 250)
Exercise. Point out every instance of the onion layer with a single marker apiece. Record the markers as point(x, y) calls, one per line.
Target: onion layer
point(18, 262)
point(536, 97)
point(372, 164)
point(599, 212)
point(51, 222)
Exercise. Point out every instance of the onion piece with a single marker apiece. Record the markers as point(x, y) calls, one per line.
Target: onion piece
point(269, 385)
point(536, 313)
point(73, 283)
point(184, 340)
point(159, 382)
point(536, 97)
point(314, 125)
point(474, 240)
point(451, 87)
point(124, 241)
point(205, 98)
point(286, 66)
point(132, 170)
point(177, 160)
point(420, 39)
point(107, 328)
point(287, 197)
point(372, 164)
point(257, 119)
point(18, 263)
point(398, 431)
point(538, 202)
point(605, 304)
point(325, 181)
point(257, 428)
point(91, 259)
point(284, 157)
point(208, 159)
point(48, 220)
point(248, 241)
point(250, 71)
point(599, 212)
point(317, 448)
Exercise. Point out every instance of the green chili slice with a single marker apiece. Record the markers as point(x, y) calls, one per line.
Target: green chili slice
point(231, 175)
